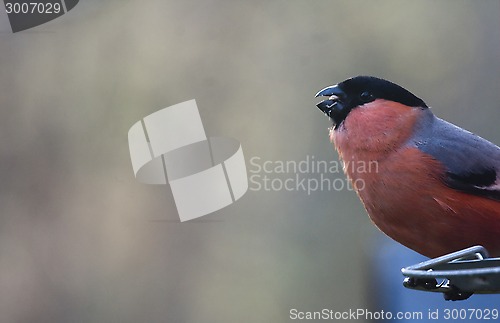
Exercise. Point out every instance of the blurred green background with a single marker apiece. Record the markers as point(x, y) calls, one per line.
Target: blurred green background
point(82, 241)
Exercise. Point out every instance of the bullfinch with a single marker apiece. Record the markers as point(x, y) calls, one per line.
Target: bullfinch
point(434, 187)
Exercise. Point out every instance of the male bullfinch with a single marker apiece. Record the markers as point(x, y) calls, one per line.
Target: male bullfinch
point(435, 187)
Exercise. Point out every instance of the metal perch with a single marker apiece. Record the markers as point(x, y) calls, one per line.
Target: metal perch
point(461, 274)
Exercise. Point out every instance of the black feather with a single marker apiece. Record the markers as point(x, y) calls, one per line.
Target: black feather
point(472, 163)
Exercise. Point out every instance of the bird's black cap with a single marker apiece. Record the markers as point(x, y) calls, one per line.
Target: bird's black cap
point(356, 91)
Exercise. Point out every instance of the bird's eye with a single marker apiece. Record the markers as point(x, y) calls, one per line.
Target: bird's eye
point(366, 96)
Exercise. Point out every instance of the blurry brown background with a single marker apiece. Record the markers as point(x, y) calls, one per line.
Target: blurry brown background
point(82, 241)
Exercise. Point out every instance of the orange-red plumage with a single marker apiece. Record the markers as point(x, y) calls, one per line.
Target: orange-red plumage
point(420, 194)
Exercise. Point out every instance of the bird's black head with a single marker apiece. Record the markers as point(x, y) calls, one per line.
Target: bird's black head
point(359, 90)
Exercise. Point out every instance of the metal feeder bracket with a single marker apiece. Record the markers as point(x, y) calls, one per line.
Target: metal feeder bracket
point(457, 275)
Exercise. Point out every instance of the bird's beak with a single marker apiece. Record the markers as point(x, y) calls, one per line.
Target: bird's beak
point(334, 105)
point(331, 90)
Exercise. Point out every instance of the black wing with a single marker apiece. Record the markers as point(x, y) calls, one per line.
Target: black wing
point(473, 163)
